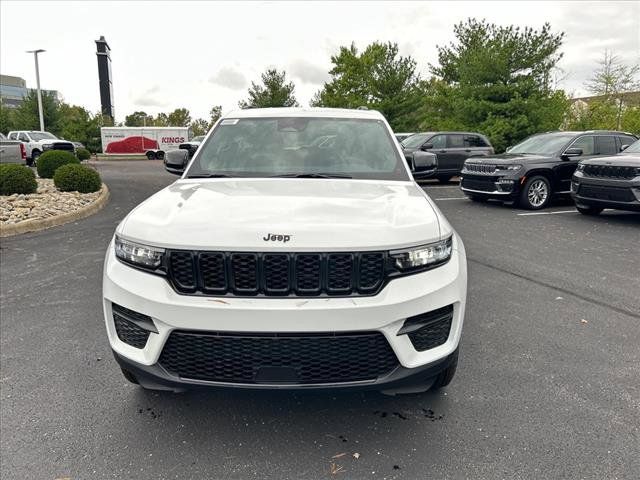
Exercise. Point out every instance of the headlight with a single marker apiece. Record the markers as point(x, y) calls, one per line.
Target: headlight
point(139, 255)
point(512, 168)
point(47, 146)
point(423, 257)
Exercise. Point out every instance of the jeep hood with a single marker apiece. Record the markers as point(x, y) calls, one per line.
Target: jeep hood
point(510, 158)
point(317, 214)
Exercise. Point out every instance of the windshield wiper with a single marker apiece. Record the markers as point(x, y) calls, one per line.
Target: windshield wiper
point(312, 175)
point(209, 175)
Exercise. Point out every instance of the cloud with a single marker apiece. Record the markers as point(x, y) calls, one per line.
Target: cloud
point(229, 78)
point(307, 72)
point(151, 97)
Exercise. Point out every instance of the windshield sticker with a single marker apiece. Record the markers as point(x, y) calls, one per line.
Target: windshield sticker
point(229, 121)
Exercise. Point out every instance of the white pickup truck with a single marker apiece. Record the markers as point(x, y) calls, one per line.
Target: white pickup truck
point(11, 151)
point(37, 142)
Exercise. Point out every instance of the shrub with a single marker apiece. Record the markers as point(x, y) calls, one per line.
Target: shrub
point(49, 162)
point(83, 154)
point(16, 178)
point(80, 178)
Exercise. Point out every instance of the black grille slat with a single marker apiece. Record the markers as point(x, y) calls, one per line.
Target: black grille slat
point(276, 274)
point(609, 171)
point(244, 268)
point(182, 271)
point(310, 359)
point(308, 274)
point(213, 272)
point(370, 271)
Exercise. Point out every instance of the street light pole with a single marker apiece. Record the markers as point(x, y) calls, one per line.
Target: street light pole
point(35, 55)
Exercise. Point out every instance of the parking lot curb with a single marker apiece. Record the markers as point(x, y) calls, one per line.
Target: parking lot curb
point(44, 223)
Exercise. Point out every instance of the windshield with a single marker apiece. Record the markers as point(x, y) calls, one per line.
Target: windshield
point(198, 139)
point(291, 146)
point(37, 136)
point(414, 141)
point(633, 148)
point(545, 144)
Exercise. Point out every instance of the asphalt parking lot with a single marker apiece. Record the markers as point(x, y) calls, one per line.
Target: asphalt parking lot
point(548, 384)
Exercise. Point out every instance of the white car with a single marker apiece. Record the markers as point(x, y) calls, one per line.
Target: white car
point(37, 142)
point(280, 261)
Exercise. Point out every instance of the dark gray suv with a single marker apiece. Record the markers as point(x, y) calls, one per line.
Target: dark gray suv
point(451, 150)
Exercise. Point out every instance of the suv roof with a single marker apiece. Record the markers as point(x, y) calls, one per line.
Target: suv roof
point(304, 112)
point(582, 132)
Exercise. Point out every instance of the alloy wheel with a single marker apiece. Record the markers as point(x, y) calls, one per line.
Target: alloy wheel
point(538, 193)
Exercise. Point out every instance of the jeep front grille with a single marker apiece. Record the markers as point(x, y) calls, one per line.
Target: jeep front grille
point(276, 274)
point(479, 168)
point(609, 171)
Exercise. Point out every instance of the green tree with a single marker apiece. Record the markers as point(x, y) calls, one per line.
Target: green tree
point(378, 78)
point(199, 127)
point(612, 80)
point(498, 80)
point(79, 125)
point(214, 114)
point(180, 117)
point(7, 122)
point(138, 119)
point(161, 120)
point(26, 115)
point(274, 92)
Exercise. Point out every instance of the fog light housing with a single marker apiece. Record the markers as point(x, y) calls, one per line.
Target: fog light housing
point(505, 184)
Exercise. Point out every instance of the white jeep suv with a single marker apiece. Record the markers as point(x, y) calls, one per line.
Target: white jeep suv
point(295, 251)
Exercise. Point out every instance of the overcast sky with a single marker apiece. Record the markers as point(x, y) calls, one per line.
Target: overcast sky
point(180, 54)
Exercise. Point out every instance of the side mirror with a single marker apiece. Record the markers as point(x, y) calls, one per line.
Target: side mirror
point(424, 161)
point(571, 152)
point(175, 161)
point(426, 146)
point(623, 148)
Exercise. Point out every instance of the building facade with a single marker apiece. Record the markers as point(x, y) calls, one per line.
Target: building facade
point(14, 89)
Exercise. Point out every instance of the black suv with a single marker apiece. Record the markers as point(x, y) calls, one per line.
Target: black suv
point(192, 145)
point(609, 182)
point(538, 168)
point(451, 150)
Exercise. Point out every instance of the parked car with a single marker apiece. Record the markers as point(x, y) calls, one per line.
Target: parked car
point(37, 142)
point(192, 145)
point(324, 264)
point(12, 151)
point(78, 145)
point(539, 168)
point(609, 182)
point(451, 150)
point(402, 136)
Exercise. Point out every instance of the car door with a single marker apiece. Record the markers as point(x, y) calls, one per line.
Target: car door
point(450, 155)
point(565, 169)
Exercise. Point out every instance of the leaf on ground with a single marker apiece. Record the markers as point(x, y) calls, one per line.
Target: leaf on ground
point(335, 469)
point(339, 455)
point(583, 321)
point(356, 455)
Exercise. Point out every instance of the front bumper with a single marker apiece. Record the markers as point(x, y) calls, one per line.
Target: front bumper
point(621, 194)
point(502, 187)
point(385, 312)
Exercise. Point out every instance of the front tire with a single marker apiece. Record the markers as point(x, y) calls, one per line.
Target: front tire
point(536, 193)
point(445, 377)
point(151, 155)
point(35, 154)
point(588, 210)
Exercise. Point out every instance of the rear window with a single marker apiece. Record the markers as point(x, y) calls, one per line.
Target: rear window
point(265, 147)
point(474, 141)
